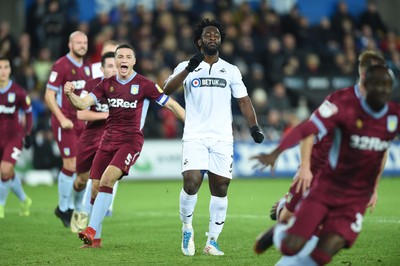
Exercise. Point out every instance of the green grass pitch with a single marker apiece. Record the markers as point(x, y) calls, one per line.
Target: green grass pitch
point(145, 228)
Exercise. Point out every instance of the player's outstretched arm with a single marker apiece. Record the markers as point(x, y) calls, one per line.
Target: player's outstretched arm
point(88, 115)
point(176, 108)
point(303, 177)
point(247, 109)
point(76, 101)
point(292, 138)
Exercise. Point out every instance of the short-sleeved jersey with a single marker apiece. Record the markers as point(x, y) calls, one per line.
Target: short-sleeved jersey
point(128, 102)
point(13, 98)
point(360, 139)
point(324, 141)
point(67, 69)
point(94, 129)
point(208, 91)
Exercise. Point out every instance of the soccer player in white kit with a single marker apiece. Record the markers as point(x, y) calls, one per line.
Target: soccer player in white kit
point(209, 83)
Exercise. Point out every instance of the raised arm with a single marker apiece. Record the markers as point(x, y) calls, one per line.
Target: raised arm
point(176, 108)
point(246, 107)
point(76, 101)
point(173, 84)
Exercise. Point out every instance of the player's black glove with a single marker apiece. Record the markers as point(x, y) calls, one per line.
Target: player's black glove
point(256, 133)
point(27, 141)
point(195, 61)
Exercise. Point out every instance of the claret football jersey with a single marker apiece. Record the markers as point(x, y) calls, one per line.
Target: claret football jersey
point(360, 139)
point(128, 102)
point(67, 69)
point(13, 98)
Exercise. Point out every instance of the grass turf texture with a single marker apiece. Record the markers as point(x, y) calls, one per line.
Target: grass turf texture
point(145, 228)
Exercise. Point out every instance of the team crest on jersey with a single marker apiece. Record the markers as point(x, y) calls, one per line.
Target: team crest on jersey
point(359, 123)
point(27, 100)
point(111, 89)
point(11, 97)
point(392, 123)
point(53, 76)
point(73, 71)
point(67, 151)
point(134, 89)
point(87, 71)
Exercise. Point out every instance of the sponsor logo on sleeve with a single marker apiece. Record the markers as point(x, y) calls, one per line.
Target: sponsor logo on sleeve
point(327, 109)
point(53, 76)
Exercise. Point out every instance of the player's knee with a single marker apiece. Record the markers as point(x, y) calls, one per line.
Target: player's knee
point(6, 173)
point(191, 182)
point(320, 256)
point(79, 184)
point(69, 165)
point(291, 245)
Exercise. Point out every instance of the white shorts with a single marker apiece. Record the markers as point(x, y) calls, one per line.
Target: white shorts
point(215, 156)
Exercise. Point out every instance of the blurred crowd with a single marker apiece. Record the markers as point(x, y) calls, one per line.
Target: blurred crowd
point(267, 40)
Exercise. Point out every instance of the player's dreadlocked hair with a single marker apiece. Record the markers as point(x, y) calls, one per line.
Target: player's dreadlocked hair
point(198, 30)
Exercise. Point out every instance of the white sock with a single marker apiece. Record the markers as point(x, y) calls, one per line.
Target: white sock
point(218, 208)
point(296, 261)
point(279, 234)
point(114, 194)
point(71, 200)
point(87, 207)
point(78, 199)
point(65, 184)
point(98, 232)
point(186, 208)
point(17, 189)
point(100, 207)
point(4, 189)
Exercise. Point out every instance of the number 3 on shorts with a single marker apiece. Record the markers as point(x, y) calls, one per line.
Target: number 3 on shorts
point(357, 225)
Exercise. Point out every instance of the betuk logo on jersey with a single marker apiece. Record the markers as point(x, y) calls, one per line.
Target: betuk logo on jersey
point(392, 123)
point(134, 89)
point(11, 97)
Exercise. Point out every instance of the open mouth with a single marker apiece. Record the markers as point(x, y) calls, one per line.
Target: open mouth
point(124, 68)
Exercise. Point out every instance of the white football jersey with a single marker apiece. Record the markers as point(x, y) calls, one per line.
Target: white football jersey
point(208, 91)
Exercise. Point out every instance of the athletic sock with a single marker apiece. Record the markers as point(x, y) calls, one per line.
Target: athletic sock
point(17, 189)
point(65, 183)
point(100, 207)
point(187, 204)
point(218, 208)
point(4, 189)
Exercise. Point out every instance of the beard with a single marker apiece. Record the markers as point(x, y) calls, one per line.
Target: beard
point(211, 51)
point(77, 54)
